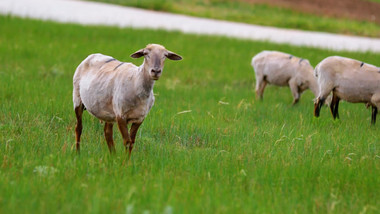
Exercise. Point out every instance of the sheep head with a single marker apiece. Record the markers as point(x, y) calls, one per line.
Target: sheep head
point(155, 56)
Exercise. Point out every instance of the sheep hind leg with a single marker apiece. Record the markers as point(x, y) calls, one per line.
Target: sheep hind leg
point(78, 127)
point(295, 91)
point(336, 113)
point(334, 106)
point(374, 113)
point(123, 128)
point(375, 103)
point(133, 131)
point(108, 132)
point(261, 83)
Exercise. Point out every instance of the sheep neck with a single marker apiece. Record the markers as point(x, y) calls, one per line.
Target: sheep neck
point(146, 81)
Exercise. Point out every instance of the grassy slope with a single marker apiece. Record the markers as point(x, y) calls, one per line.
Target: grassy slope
point(257, 14)
point(247, 156)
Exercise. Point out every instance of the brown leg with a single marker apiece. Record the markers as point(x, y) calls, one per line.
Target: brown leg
point(108, 132)
point(295, 90)
point(295, 101)
point(123, 128)
point(78, 127)
point(260, 89)
point(134, 128)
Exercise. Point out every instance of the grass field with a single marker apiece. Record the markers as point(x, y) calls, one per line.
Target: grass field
point(230, 154)
point(261, 14)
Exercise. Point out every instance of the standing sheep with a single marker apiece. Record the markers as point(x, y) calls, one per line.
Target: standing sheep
point(350, 80)
point(283, 69)
point(115, 91)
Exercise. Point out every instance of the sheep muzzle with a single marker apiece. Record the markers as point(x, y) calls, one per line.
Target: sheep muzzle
point(156, 73)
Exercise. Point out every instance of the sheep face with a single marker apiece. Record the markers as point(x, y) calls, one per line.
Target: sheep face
point(155, 56)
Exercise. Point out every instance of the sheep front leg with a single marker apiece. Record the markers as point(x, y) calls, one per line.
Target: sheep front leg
point(295, 90)
point(78, 127)
point(123, 128)
point(134, 128)
point(317, 106)
point(108, 132)
point(324, 91)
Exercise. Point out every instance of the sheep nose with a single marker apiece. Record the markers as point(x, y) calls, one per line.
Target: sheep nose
point(156, 71)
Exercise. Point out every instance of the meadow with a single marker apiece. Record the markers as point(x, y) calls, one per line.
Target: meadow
point(207, 146)
point(260, 14)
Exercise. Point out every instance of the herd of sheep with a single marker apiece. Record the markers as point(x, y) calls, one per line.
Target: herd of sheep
point(342, 78)
point(122, 93)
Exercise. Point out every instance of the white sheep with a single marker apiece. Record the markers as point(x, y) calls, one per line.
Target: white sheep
point(283, 69)
point(115, 91)
point(350, 80)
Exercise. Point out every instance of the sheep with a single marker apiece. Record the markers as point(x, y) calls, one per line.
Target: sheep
point(350, 80)
point(120, 92)
point(283, 69)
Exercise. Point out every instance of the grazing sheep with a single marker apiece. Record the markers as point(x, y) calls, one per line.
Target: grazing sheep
point(283, 69)
point(350, 80)
point(115, 91)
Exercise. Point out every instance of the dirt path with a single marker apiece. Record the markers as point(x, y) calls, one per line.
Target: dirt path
point(92, 13)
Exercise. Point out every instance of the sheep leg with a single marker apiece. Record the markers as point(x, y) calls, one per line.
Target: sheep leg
point(78, 127)
point(317, 106)
point(334, 106)
point(375, 103)
point(123, 128)
point(108, 132)
point(336, 113)
point(323, 95)
point(261, 83)
point(374, 113)
point(295, 91)
point(133, 131)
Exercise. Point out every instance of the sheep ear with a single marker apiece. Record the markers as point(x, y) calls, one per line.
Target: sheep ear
point(138, 54)
point(173, 56)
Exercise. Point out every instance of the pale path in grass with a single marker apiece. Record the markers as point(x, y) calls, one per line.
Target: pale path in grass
point(93, 13)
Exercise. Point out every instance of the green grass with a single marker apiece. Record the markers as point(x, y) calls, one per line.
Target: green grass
point(257, 14)
point(242, 157)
